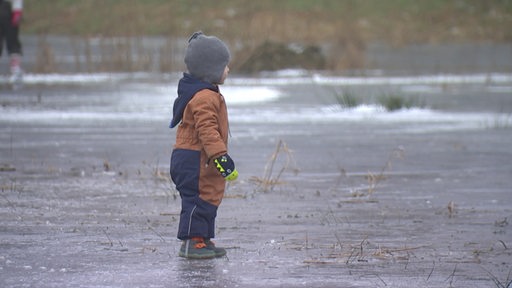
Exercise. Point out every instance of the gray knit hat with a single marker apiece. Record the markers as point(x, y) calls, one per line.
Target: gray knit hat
point(206, 57)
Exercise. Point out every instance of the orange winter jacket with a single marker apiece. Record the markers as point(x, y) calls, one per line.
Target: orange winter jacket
point(202, 136)
point(204, 125)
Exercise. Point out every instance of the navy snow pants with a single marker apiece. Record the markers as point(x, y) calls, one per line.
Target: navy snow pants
point(197, 217)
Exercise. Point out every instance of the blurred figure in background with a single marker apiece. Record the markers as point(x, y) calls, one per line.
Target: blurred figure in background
point(10, 18)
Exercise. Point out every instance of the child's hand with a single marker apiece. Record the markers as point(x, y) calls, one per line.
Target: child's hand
point(226, 167)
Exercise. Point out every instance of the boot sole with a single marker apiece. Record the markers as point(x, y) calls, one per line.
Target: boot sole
point(197, 256)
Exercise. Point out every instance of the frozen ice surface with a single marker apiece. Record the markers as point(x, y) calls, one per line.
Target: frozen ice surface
point(413, 198)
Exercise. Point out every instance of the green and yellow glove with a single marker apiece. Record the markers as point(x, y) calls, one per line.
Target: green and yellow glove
point(226, 167)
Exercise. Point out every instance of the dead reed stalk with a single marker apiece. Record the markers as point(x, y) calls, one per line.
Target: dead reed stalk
point(375, 179)
point(46, 58)
point(269, 181)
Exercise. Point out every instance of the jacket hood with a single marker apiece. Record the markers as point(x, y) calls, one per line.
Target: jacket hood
point(188, 86)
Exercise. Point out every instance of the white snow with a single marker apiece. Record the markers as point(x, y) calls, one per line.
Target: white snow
point(256, 100)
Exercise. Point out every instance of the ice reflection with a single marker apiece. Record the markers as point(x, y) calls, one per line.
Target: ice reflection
point(203, 273)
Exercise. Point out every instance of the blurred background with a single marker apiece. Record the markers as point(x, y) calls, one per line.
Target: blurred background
point(345, 36)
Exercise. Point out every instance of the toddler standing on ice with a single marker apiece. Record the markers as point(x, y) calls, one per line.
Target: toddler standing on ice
point(200, 164)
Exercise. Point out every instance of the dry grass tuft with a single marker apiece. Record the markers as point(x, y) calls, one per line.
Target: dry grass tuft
point(365, 251)
point(375, 179)
point(269, 180)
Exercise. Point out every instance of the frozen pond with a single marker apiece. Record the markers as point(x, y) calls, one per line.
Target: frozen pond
point(416, 197)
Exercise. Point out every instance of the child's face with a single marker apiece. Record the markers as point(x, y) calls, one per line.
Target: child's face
point(224, 75)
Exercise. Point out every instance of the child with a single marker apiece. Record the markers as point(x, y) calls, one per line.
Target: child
point(200, 164)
